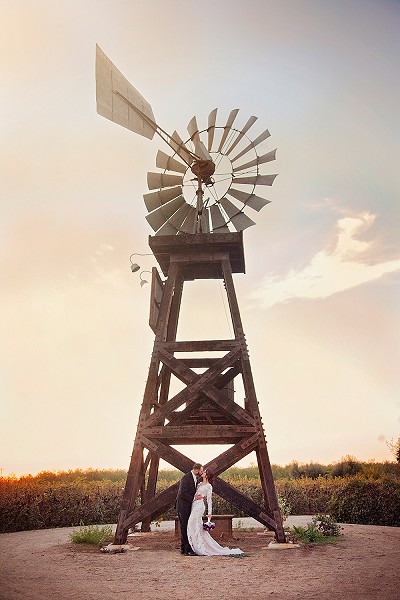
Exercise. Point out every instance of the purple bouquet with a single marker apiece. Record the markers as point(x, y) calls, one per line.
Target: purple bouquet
point(208, 525)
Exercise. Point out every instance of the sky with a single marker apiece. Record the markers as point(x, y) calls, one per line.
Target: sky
point(320, 297)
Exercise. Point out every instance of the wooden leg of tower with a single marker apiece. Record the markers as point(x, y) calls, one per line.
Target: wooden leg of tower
point(133, 481)
point(251, 404)
point(163, 395)
point(131, 491)
point(267, 480)
point(151, 487)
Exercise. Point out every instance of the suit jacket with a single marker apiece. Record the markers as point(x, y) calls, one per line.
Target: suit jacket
point(186, 492)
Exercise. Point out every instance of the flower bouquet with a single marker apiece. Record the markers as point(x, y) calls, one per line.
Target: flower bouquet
point(208, 525)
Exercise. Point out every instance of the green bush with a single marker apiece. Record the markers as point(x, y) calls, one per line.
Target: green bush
point(370, 502)
point(69, 498)
point(308, 535)
point(92, 534)
point(327, 525)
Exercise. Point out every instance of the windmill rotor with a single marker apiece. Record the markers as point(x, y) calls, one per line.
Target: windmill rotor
point(224, 183)
point(210, 178)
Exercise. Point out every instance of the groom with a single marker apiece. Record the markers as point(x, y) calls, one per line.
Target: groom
point(184, 499)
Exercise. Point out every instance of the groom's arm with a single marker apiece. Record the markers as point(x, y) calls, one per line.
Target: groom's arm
point(186, 488)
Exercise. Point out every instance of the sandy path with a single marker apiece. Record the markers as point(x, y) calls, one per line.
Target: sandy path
point(43, 565)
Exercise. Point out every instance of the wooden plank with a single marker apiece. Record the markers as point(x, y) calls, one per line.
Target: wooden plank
point(198, 434)
point(199, 363)
point(157, 288)
point(200, 346)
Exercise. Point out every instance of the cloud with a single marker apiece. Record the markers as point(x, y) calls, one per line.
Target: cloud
point(334, 269)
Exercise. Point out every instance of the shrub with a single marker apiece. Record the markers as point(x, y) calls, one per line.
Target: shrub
point(92, 535)
point(326, 525)
point(284, 507)
point(365, 501)
point(308, 535)
point(349, 465)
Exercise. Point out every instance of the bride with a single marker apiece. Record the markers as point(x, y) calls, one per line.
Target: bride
point(199, 539)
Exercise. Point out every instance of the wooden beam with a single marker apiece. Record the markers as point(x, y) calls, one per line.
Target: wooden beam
point(200, 346)
point(242, 502)
point(198, 434)
point(198, 363)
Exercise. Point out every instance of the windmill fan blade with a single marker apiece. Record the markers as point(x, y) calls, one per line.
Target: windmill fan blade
point(163, 161)
point(255, 202)
point(167, 229)
point(157, 218)
point(189, 224)
point(257, 161)
point(193, 130)
point(157, 199)
point(256, 180)
point(241, 221)
point(228, 127)
point(240, 135)
point(217, 218)
point(265, 135)
point(238, 219)
point(212, 117)
point(118, 101)
point(201, 151)
point(180, 148)
point(161, 180)
point(177, 219)
point(172, 226)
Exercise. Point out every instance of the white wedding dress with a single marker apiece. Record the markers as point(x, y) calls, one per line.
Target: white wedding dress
point(199, 539)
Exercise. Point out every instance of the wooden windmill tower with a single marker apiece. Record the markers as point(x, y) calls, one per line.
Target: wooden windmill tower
point(198, 236)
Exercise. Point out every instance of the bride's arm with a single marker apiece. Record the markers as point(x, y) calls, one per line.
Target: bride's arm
point(209, 501)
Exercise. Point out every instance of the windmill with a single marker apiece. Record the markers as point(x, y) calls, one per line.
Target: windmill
point(197, 206)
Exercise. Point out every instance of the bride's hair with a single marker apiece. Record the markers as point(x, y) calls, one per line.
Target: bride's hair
point(210, 476)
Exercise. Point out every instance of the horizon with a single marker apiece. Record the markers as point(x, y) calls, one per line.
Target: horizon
point(167, 467)
point(321, 294)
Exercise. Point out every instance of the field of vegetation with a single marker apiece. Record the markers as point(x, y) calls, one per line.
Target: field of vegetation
point(350, 490)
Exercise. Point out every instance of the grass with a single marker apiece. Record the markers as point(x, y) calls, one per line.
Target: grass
point(92, 534)
point(312, 535)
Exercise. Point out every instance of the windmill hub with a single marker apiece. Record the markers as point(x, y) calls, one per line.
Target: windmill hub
point(204, 169)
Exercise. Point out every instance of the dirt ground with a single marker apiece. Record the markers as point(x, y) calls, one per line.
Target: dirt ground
point(44, 565)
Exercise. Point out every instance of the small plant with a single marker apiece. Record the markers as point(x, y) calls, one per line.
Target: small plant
point(308, 535)
point(158, 522)
point(239, 524)
point(284, 507)
point(326, 525)
point(92, 534)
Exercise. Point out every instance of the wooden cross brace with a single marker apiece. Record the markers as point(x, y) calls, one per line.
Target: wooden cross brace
point(163, 501)
point(197, 385)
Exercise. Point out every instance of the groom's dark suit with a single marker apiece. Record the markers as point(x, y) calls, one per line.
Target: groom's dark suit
point(184, 499)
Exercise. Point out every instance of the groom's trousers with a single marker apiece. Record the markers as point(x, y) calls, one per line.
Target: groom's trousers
point(183, 516)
